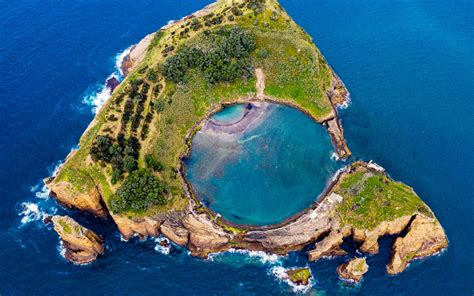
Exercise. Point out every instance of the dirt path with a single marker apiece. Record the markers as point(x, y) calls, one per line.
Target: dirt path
point(260, 85)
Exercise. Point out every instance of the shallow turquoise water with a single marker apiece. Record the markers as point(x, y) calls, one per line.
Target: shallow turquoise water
point(230, 114)
point(266, 174)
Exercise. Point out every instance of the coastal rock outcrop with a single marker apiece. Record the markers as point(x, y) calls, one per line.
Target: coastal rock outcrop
point(353, 270)
point(67, 196)
point(136, 55)
point(81, 244)
point(425, 237)
point(299, 276)
point(328, 247)
point(144, 227)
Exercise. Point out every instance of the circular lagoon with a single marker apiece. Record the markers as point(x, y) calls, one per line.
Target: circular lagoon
point(260, 163)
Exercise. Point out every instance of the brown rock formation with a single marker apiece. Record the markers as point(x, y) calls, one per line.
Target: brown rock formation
point(71, 198)
point(425, 237)
point(353, 270)
point(337, 137)
point(136, 55)
point(143, 227)
point(82, 245)
point(328, 247)
point(299, 276)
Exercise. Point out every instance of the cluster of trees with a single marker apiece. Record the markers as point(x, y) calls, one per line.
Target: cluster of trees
point(122, 153)
point(227, 58)
point(139, 191)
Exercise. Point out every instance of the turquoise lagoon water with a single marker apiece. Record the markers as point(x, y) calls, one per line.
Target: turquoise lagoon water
point(267, 173)
point(230, 114)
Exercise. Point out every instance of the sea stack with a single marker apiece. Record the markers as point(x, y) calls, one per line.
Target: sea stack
point(354, 270)
point(82, 245)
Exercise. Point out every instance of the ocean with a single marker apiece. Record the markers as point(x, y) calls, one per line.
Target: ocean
point(407, 64)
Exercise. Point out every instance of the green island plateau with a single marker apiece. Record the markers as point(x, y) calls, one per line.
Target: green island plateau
point(130, 161)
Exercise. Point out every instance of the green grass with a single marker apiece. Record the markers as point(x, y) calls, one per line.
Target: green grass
point(372, 197)
point(295, 72)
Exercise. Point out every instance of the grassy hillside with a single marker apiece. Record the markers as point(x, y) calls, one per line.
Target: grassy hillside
point(371, 197)
point(145, 122)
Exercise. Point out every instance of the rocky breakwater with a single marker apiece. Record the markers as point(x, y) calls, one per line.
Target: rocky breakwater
point(338, 96)
point(354, 270)
point(81, 244)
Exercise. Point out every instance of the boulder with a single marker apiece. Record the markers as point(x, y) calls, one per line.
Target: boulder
point(353, 270)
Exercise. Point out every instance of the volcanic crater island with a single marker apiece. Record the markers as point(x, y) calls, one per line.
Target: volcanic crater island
point(220, 137)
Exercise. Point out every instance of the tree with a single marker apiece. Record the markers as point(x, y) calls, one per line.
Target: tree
point(129, 163)
point(140, 190)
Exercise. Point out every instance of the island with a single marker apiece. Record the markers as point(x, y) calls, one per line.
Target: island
point(130, 164)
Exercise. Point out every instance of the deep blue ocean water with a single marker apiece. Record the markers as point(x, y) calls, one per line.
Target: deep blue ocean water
point(274, 169)
point(408, 66)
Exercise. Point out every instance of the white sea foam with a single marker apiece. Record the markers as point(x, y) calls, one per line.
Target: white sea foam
point(280, 273)
point(99, 94)
point(31, 211)
point(262, 257)
point(159, 248)
point(346, 104)
point(334, 156)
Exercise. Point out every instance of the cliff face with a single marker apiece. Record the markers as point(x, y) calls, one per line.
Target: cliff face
point(90, 202)
point(425, 237)
point(81, 244)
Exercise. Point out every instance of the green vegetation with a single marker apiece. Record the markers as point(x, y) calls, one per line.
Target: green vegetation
point(140, 190)
point(371, 197)
point(65, 226)
point(191, 67)
point(300, 275)
point(226, 58)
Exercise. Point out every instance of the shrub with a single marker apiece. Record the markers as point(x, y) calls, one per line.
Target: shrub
point(153, 164)
point(140, 190)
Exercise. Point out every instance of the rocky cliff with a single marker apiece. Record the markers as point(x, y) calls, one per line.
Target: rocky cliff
point(81, 244)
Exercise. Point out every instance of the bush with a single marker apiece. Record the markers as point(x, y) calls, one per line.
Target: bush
point(153, 164)
point(140, 190)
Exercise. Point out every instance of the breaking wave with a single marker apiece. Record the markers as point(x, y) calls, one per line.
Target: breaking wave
point(251, 256)
point(163, 249)
point(279, 272)
point(30, 211)
point(97, 95)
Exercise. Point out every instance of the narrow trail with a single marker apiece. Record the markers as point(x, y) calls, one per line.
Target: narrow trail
point(260, 85)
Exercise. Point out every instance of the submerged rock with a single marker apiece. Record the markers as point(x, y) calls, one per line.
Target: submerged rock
point(299, 276)
point(82, 245)
point(353, 270)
